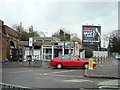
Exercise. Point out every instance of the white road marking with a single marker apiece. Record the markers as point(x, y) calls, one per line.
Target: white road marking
point(75, 80)
point(55, 72)
point(109, 82)
point(108, 87)
point(23, 71)
point(40, 74)
point(67, 76)
point(49, 73)
point(101, 65)
point(64, 71)
point(16, 72)
point(57, 75)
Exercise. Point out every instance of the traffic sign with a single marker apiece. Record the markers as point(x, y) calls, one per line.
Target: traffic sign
point(30, 41)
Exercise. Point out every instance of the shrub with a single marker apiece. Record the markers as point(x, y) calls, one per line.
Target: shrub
point(88, 53)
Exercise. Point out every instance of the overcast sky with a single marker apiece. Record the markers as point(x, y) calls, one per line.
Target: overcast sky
point(51, 16)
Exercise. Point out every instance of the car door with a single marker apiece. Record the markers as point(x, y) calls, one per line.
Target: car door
point(65, 61)
point(75, 61)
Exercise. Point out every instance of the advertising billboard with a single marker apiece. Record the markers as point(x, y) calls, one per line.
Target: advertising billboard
point(91, 33)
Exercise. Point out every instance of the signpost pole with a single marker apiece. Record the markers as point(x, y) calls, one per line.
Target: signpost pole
point(30, 49)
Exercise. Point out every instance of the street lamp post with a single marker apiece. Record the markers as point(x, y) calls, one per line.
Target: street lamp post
point(98, 47)
point(98, 52)
point(99, 37)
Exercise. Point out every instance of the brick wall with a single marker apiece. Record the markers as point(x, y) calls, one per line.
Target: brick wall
point(1, 23)
point(11, 32)
point(7, 34)
point(0, 43)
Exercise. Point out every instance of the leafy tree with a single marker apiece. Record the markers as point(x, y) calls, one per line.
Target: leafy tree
point(88, 53)
point(114, 42)
point(24, 34)
point(64, 36)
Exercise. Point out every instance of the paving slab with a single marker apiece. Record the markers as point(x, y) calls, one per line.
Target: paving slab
point(108, 69)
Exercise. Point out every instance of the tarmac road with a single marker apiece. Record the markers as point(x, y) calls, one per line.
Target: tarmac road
point(39, 77)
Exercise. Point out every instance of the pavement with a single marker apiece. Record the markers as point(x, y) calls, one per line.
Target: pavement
point(107, 69)
point(38, 63)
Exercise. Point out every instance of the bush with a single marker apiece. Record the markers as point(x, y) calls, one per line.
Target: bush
point(88, 53)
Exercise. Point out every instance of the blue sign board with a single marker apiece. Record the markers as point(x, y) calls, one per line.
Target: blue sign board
point(30, 41)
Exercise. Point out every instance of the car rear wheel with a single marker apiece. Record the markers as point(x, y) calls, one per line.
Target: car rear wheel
point(59, 65)
point(86, 66)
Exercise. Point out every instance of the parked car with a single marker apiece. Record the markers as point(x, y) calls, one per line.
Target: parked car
point(69, 60)
point(117, 57)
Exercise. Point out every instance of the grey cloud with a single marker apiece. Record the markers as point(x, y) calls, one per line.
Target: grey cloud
point(54, 15)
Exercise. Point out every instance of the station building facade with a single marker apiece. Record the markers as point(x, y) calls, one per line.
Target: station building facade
point(46, 48)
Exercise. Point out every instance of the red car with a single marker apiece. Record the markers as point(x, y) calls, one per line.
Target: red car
point(69, 60)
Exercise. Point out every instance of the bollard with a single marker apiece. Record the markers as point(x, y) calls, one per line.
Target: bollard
point(95, 59)
point(104, 58)
point(14, 88)
point(101, 60)
point(29, 59)
point(20, 61)
point(9, 87)
point(5, 61)
point(98, 59)
point(90, 63)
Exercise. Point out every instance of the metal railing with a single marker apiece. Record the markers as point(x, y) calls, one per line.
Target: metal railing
point(102, 59)
point(4, 86)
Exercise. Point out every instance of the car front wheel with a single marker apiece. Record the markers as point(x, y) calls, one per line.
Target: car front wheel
point(86, 66)
point(59, 65)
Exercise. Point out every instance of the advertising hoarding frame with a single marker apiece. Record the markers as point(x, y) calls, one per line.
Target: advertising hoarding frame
point(91, 33)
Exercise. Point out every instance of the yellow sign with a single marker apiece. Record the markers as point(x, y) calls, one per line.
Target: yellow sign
point(90, 63)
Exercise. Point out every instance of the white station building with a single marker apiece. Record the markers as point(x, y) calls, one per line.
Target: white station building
point(46, 48)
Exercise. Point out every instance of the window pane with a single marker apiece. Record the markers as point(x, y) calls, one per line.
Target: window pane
point(65, 57)
point(60, 58)
point(39, 40)
point(47, 40)
point(73, 58)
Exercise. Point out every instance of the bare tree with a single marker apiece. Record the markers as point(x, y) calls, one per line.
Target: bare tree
point(75, 38)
